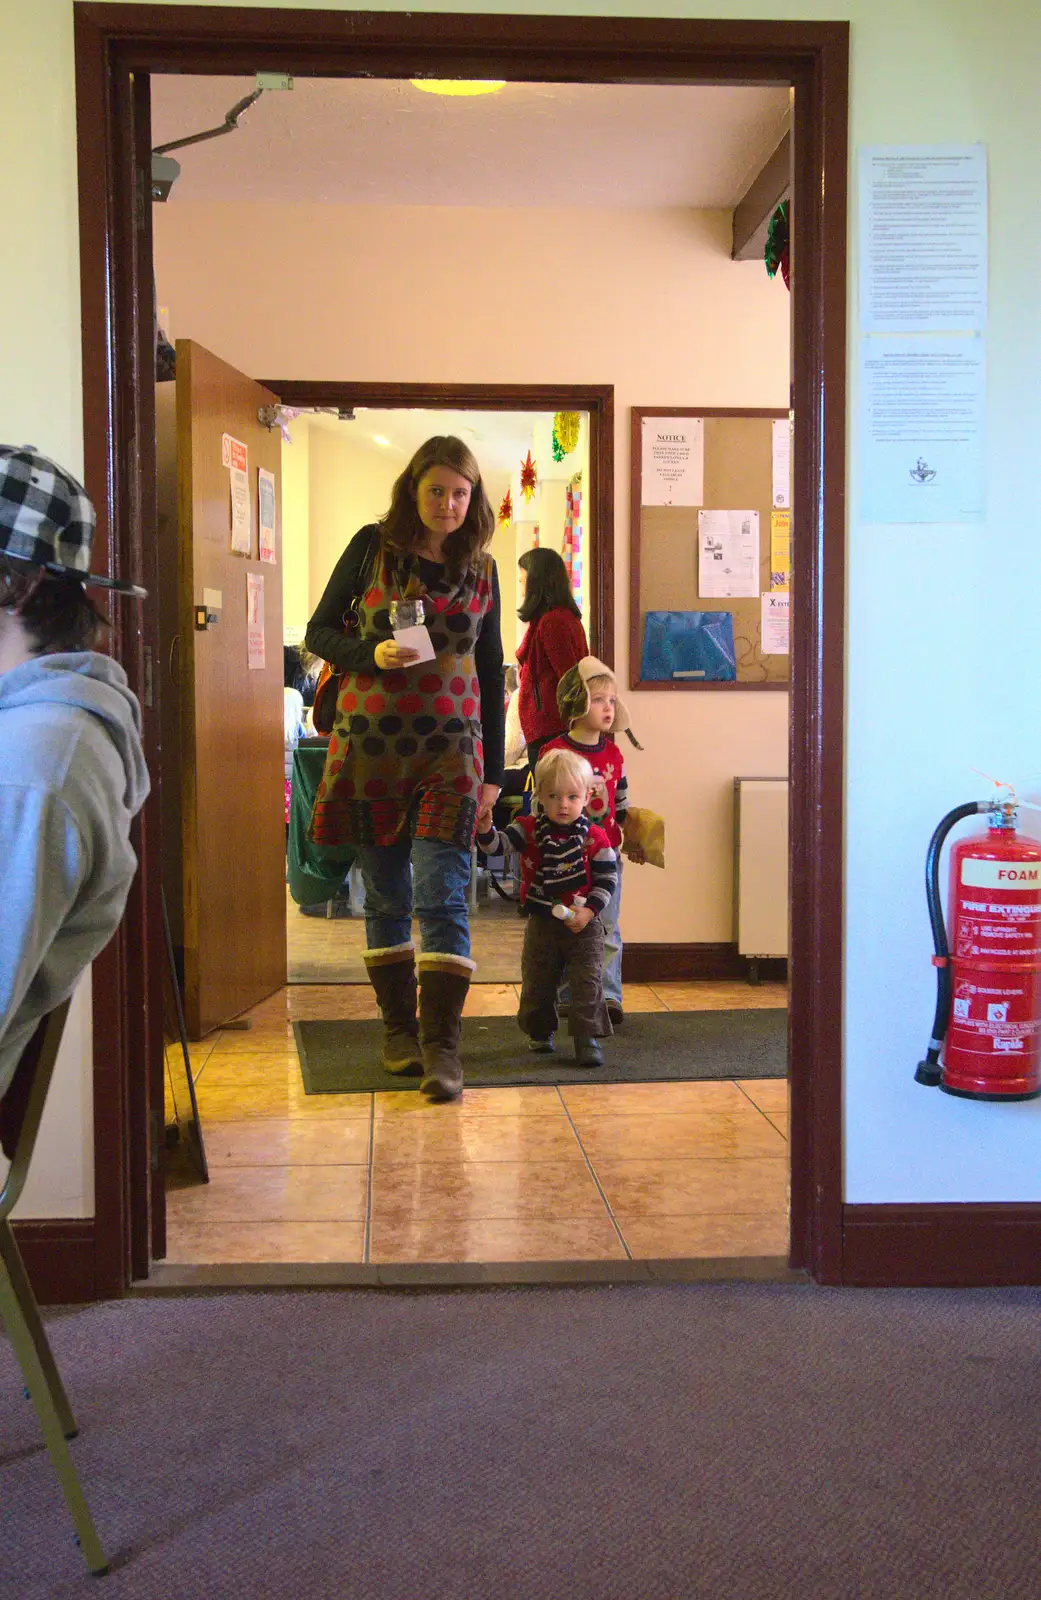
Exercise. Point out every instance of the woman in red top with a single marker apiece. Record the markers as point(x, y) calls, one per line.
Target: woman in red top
point(555, 642)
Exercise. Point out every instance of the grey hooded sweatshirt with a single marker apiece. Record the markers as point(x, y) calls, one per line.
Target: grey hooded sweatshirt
point(72, 778)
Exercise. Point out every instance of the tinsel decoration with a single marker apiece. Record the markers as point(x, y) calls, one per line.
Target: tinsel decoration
point(528, 477)
point(776, 254)
point(565, 433)
point(506, 509)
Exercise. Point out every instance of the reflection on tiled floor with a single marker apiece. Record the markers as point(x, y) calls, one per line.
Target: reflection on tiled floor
point(324, 949)
point(588, 1172)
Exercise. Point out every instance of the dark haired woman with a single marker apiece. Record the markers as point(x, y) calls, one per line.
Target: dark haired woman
point(416, 750)
point(555, 642)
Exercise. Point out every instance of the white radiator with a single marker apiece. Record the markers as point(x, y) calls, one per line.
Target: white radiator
point(761, 866)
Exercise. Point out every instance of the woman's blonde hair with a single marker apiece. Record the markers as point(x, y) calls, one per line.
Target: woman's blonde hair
point(401, 530)
point(561, 763)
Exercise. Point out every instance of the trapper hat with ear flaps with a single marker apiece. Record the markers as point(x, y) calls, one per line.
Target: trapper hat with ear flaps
point(573, 696)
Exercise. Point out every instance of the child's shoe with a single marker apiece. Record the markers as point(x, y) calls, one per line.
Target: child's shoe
point(615, 1012)
point(541, 1047)
point(587, 1052)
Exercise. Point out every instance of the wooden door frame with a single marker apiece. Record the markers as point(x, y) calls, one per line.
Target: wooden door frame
point(595, 398)
point(114, 44)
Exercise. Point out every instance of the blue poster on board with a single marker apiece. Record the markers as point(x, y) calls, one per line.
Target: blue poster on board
point(694, 645)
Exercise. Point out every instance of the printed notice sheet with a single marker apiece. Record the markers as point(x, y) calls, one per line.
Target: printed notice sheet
point(673, 461)
point(728, 555)
point(236, 458)
point(922, 427)
point(255, 620)
point(782, 462)
point(780, 550)
point(923, 238)
point(774, 626)
point(266, 513)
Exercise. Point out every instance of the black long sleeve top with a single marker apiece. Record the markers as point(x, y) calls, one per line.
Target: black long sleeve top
point(325, 638)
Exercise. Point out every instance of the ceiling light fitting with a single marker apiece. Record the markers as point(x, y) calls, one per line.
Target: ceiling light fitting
point(459, 86)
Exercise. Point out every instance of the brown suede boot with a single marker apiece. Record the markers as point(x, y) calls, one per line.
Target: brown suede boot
point(392, 973)
point(443, 982)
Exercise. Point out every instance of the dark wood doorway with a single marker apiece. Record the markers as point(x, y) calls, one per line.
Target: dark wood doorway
point(116, 48)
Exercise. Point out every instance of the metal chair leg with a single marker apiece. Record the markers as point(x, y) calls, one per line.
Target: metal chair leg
point(21, 1318)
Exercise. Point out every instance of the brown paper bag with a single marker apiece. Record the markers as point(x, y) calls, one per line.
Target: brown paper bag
point(647, 830)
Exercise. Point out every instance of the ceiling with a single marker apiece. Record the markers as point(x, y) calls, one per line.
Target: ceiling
point(362, 141)
point(499, 439)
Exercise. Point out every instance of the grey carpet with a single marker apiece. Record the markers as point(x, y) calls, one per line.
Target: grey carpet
point(650, 1046)
point(716, 1442)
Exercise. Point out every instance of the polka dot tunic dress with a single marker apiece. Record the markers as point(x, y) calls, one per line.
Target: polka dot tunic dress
point(405, 754)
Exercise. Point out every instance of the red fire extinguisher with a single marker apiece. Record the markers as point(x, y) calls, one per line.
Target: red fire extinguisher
point(988, 1003)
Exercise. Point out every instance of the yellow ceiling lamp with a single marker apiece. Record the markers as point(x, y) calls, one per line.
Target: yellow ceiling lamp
point(459, 86)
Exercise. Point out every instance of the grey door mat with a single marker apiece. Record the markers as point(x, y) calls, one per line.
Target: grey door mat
point(650, 1047)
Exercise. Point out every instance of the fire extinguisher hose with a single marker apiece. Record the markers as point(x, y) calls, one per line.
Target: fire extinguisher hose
point(928, 1071)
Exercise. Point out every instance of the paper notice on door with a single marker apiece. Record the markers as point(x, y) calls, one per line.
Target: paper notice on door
point(782, 462)
point(236, 458)
point(728, 555)
point(774, 626)
point(673, 461)
point(255, 620)
point(266, 513)
point(780, 550)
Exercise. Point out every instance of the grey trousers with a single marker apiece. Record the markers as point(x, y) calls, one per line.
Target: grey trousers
point(551, 950)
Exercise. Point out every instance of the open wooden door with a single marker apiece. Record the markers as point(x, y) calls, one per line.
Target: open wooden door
point(231, 678)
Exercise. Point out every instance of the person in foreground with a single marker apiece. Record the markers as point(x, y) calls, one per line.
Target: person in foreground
point(568, 874)
point(416, 753)
point(72, 770)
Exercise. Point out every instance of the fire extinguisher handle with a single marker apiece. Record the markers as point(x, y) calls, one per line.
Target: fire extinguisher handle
point(928, 1070)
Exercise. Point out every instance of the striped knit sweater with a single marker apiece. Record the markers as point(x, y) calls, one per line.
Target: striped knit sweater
point(558, 863)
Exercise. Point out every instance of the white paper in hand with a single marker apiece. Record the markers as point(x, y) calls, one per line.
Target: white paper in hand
point(416, 638)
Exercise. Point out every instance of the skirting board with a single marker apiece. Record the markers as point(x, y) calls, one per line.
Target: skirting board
point(674, 963)
point(59, 1258)
point(941, 1246)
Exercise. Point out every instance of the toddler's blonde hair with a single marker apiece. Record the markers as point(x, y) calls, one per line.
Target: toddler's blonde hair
point(603, 680)
point(567, 764)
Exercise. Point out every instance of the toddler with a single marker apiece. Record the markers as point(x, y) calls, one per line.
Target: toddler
point(589, 706)
point(567, 871)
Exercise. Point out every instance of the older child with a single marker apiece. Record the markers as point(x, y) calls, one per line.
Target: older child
point(590, 709)
point(568, 868)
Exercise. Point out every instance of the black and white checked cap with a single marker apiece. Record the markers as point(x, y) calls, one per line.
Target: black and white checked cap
point(47, 519)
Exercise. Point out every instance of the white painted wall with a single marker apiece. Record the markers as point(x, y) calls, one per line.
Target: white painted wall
point(942, 669)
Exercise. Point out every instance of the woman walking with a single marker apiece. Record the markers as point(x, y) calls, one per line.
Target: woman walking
point(415, 757)
point(555, 642)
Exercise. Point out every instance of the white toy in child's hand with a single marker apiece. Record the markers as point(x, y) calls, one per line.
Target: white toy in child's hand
point(565, 913)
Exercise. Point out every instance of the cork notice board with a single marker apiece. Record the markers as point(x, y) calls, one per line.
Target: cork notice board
point(663, 547)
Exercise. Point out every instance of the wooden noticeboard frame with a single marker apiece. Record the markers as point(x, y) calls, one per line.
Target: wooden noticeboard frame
point(738, 475)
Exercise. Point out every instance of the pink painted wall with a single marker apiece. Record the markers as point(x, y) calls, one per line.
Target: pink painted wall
point(648, 301)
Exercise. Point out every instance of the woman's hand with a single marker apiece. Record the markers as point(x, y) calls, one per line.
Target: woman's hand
point(390, 655)
point(490, 792)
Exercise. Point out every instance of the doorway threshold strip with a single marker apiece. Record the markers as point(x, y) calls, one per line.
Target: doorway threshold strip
point(225, 1276)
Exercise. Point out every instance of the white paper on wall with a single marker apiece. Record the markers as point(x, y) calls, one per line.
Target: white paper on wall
point(728, 555)
point(673, 461)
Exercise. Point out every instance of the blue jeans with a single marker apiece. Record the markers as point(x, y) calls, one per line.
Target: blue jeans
point(612, 948)
point(424, 873)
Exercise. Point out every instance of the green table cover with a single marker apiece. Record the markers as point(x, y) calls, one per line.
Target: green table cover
point(314, 872)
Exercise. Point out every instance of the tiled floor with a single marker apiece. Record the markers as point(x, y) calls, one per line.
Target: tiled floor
point(587, 1172)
